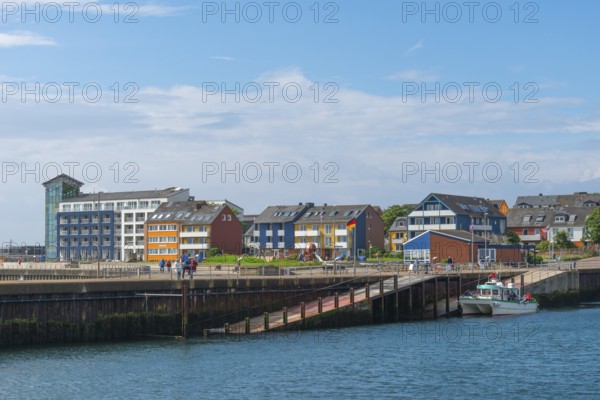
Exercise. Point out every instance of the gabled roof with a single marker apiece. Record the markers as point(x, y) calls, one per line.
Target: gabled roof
point(460, 235)
point(190, 212)
point(132, 195)
point(395, 228)
point(463, 236)
point(280, 214)
point(474, 207)
point(332, 213)
point(539, 201)
point(543, 217)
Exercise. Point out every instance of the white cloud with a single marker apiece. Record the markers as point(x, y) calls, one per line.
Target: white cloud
point(24, 38)
point(172, 131)
point(222, 58)
point(419, 45)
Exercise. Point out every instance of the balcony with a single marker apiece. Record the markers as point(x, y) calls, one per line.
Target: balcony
point(341, 232)
point(194, 234)
point(195, 246)
point(307, 233)
point(341, 245)
point(433, 213)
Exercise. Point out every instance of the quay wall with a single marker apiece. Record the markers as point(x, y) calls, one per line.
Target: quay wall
point(39, 312)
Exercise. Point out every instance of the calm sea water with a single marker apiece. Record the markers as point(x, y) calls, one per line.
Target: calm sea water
point(548, 355)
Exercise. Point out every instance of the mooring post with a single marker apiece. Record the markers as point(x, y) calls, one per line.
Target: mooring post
point(320, 305)
point(395, 282)
point(336, 300)
point(266, 321)
point(447, 296)
point(381, 286)
point(205, 333)
point(367, 288)
point(285, 315)
point(184, 312)
point(302, 310)
point(423, 300)
point(435, 297)
point(247, 325)
point(522, 284)
point(226, 327)
point(351, 295)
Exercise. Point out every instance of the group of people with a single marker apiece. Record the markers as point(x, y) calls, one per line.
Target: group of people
point(182, 264)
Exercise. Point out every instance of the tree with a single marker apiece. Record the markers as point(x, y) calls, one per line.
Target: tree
point(392, 212)
point(592, 226)
point(513, 238)
point(561, 241)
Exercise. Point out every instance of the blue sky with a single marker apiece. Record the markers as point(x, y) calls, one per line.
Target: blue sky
point(367, 131)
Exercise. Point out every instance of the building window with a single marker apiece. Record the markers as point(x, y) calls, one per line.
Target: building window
point(525, 232)
point(559, 218)
point(302, 227)
point(527, 218)
point(327, 228)
point(328, 242)
point(228, 218)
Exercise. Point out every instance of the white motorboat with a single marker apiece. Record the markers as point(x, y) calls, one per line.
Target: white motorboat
point(493, 298)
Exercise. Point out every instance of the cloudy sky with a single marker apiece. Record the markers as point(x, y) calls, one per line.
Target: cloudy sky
point(285, 102)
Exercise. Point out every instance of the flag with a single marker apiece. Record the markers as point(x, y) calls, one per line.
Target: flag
point(351, 224)
point(472, 228)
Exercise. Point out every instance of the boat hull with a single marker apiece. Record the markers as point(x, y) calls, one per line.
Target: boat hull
point(475, 306)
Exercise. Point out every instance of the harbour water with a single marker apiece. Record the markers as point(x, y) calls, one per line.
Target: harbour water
point(548, 355)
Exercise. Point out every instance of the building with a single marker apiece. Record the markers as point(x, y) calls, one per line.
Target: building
point(57, 189)
point(398, 234)
point(538, 218)
point(501, 205)
point(460, 246)
point(192, 228)
point(536, 224)
point(274, 230)
point(108, 225)
point(326, 227)
point(459, 213)
point(577, 199)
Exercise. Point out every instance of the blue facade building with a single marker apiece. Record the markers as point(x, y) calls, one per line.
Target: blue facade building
point(86, 235)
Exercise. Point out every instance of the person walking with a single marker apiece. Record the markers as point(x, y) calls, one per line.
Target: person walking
point(193, 266)
point(169, 266)
point(161, 264)
point(178, 268)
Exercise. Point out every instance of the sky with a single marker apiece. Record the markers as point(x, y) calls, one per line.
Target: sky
point(265, 103)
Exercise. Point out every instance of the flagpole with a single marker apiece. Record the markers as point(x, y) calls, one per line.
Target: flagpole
point(472, 238)
point(354, 245)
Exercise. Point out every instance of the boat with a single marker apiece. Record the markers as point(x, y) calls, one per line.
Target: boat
point(493, 298)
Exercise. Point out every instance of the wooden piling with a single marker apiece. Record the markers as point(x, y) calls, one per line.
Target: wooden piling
point(302, 310)
point(336, 300)
point(285, 315)
point(320, 305)
point(266, 317)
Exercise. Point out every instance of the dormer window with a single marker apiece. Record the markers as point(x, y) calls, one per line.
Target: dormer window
point(527, 218)
point(560, 218)
point(540, 218)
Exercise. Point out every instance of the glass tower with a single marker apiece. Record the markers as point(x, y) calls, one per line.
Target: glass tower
point(57, 189)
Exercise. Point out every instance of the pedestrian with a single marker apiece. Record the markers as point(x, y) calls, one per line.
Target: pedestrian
point(169, 266)
point(161, 264)
point(178, 269)
point(193, 266)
